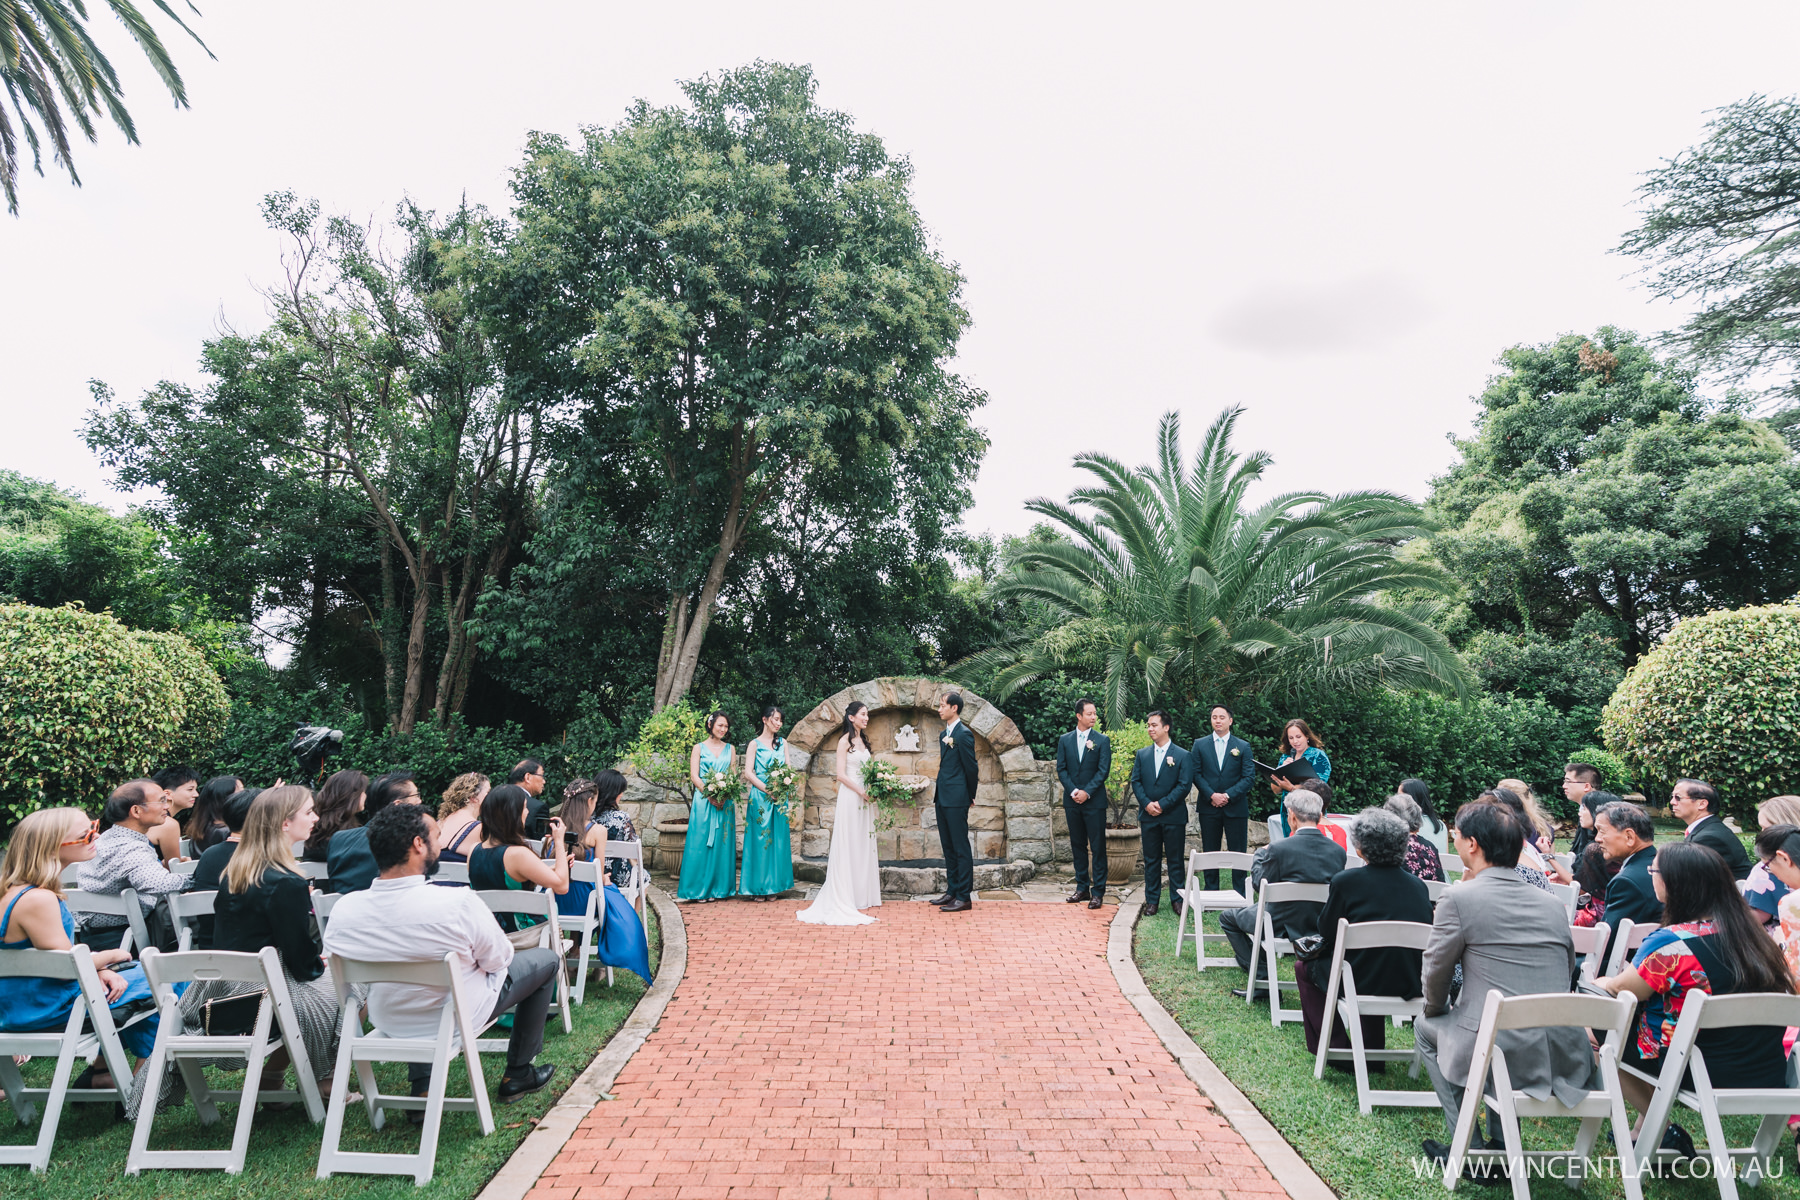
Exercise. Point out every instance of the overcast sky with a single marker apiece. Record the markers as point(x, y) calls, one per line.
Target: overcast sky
point(1334, 215)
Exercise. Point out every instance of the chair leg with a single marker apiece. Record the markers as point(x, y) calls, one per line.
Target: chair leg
point(14, 1085)
point(1718, 1149)
point(1359, 1054)
point(434, 1116)
point(1181, 925)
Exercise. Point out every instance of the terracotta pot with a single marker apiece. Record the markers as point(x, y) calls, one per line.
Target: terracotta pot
point(671, 839)
point(1122, 849)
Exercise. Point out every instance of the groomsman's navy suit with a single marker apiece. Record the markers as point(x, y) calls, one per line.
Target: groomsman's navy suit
point(957, 778)
point(1235, 777)
point(1086, 771)
point(1164, 834)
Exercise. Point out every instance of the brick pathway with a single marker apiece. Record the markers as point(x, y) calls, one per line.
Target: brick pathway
point(983, 1056)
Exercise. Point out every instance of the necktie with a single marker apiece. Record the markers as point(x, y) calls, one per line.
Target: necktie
point(1156, 772)
point(1080, 747)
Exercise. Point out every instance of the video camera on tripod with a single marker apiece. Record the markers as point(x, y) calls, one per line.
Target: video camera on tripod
point(312, 745)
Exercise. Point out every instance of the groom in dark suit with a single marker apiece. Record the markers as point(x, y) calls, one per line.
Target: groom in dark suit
point(1083, 760)
point(1160, 781)
point(957, 779)
point(1223, 773)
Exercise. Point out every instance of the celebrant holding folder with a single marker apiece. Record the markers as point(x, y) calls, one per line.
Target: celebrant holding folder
point(1303, 757)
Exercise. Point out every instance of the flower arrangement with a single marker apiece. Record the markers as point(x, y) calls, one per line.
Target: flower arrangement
point(723, 788)
point(886, 791)
point(781, 786)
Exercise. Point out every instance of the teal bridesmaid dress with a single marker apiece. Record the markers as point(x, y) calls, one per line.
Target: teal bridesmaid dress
point(768, 845)
point(708, 863)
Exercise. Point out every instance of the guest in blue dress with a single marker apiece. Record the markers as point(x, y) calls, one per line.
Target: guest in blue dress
point(768, 842)
point(34, 917)
point(709, 862)
point(622, 942)
point(1299, 741)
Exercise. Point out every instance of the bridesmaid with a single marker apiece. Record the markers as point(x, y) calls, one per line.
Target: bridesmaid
point(710, 859)
point(768, 844)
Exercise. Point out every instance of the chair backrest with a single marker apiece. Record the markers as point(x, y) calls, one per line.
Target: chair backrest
point(1275, 834)
point(185, 847)
point(323, 903)
point(436, 972)
point(585, 872)
point(1590, 944)
point(1354, 860)
point(451, 872)
point(1453, 865)
point(125, 904)
point(315, 870)
point(1611, 1015)
point(184, 907)
point(71, 875)
point(208, 966)
point(1746, 1008)
point(185, 867)
point(1366, 935)
point(631, 851)
point(1435, 888)
point(1288, 893)
point(531, 904)
point(1630, 936)
point(1214, 860)
point(39, 964)
point(1568, 893)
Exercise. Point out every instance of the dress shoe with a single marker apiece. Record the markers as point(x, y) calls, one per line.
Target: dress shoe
point(1150, 909)
point(1175, 907)
point(531, 1079)
point(1262, 993)
point(1097, 901)
point(957, 906)
point(1077, 898)
point(943, 899)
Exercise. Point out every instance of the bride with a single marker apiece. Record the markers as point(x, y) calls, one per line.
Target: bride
point(853, 872)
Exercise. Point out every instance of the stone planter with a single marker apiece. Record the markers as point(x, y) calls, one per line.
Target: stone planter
point(671, 839)
point(1122, 849)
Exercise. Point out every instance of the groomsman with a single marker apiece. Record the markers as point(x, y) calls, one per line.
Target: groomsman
point(957, 779)
point(1159, 780)
point(1223, 772)
point(1083, 760)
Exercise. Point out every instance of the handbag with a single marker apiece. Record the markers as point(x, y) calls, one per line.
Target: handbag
point(230, 1015)
point(1308, 945)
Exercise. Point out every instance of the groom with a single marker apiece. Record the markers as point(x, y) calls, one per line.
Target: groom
point(956, 781)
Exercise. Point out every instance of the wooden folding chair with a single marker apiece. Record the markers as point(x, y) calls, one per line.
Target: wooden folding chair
point(89, 1033)
point(541, 905)
point(1590, 943)
point(1266, 945)
point(1630, 936)
point(185, 908)
point(1700, 1012)
point(1197, 901)
point(1342, 998)
point(175, 1047)
point(356, 1050)
point(1606, 1015)
point(125, 904)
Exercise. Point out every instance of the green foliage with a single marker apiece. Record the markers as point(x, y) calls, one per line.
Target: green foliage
point(1184, 592)
point(1615, 776)
point(663, 745)
point(204, 707)
point(83, 705)
point(1127, 740)
point(1580, 670)
point(1719, 700)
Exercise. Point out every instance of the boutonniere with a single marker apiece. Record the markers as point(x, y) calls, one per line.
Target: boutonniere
point(1169, 761)
point(1235, 752)
point(949, 739)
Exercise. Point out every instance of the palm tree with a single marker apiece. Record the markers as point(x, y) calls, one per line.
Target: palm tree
point(1178, 589)
point(49, 61)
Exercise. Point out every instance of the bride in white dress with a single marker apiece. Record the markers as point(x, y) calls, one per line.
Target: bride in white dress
point(853, 872)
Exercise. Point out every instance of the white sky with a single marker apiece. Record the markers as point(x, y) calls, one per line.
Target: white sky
point(1335, 215)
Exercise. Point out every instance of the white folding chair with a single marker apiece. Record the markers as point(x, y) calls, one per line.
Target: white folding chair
point(185, 847)
point(588, 924)
point(125, 904)
point(184, 866)
point(1590, 943)
point(184, 909)
point(323, 903)
point(1266, 945)
point(356, 1050)
point(72, 1041)
point(1435, 888)
point(1606, 1015)
point(1568, 893)
point(1351, 1006)
point(315, 870)
point(449, 872)
point(1700, 1012)
point(1630, 936)
point(1453, 866)
point(71, 876)
point(1353, 859)
point(637, 887)
point(1197, 901)
point(1275, 834)
point(274, 1016)
point(541, 905)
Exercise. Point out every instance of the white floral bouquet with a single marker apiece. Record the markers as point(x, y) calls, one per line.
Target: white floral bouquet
point(886, 791)
point(781, 784)
point(723, 788)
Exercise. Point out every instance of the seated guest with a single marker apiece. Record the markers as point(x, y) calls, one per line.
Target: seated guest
point(1627, 837)
point(398, 919)
point(622, 939)
point(348, 863)
point(1421, 857)
point(505, 861)
point(1329, 828)
point(263, 901)
point(206, 824)
point(34, 917)
point(1432, 826)
point(610, 785)
point(1763, 892)
point(1783, 862)
point(1306, 856)
point(586, 838)
point(125, 858)
point(1384, 890)
point(530, 776)
point(1531, 866)
point(1709, 943)
point(338, 805)
point(1579, 779)
point(1695, 805)
point(1593, 875)
point(182, 787)
point(459, 816)
point(1508, 935)
point(211, 867)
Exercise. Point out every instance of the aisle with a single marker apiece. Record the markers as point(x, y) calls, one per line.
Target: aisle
point(929, 1056)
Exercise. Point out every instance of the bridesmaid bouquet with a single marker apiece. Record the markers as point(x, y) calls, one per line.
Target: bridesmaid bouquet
point(781, 786)
point(723, 788)
point(882, 782)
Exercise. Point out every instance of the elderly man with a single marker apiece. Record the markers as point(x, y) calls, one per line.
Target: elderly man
point(125, 857)
point(1508, 935)
point(1305, 856)
point(1625, 835)
point(1696, 805)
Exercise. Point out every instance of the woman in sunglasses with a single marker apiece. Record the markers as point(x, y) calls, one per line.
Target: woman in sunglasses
point(34, 917)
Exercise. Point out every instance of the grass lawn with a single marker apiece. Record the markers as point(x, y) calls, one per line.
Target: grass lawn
point(89, 1160)
point(1361, 1157)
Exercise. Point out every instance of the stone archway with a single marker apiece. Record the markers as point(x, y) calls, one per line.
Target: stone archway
point(1011, 817)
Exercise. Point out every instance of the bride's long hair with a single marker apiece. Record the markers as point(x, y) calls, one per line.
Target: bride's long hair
point(850, 730)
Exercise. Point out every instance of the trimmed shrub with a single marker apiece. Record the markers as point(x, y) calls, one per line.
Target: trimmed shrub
point(1121, 805)
point(205, 708)
point(1719, 700)
point(83, 705)
point(664, 741)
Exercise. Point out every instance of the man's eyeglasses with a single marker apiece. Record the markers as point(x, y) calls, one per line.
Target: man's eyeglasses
point(92, 833)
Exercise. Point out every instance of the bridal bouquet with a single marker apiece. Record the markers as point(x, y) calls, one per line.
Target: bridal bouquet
point(723, 788)
point(882, 782)
point(781, 786)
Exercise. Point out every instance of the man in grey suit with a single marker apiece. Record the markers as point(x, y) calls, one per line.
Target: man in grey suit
point(1507, 935)
point(1083, 759)
point(957, 779)
point(1160, 782)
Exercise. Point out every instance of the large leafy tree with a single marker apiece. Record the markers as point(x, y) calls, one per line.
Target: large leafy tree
point(1184, 590)
point(741, 304)
point(53, 70)
point(1601, 499)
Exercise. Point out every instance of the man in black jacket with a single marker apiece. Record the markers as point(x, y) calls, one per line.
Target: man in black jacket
point(1695, 804)
point(957, 779)
point(1626, 836)
point(1160, 782)
point(1223, 774)
point(1304, 856)
point(1083, 759)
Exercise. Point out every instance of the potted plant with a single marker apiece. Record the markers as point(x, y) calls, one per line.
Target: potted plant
point(659, 756)
point(1123, 843)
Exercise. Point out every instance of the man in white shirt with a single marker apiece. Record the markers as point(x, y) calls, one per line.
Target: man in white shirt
point(399, 918)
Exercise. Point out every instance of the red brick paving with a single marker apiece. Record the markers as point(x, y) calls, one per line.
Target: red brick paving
point(978, 1056)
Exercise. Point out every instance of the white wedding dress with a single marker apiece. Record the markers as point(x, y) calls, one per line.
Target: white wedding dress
point(853, 872)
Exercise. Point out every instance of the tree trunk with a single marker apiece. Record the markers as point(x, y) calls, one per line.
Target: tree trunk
point(687, 655)
point(415, 650)
point(390, 627)
point(674, 629)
